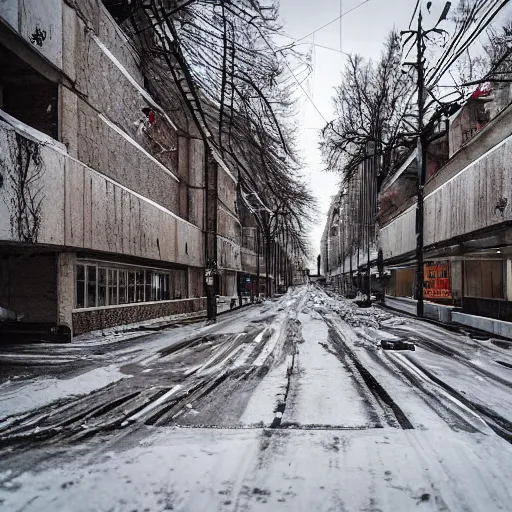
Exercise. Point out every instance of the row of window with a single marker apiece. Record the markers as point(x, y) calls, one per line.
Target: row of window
point(98, 285)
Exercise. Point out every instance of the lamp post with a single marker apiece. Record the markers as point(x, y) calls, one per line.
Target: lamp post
point(211, 301)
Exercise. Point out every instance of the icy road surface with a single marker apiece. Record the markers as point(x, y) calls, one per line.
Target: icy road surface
point(290, 405)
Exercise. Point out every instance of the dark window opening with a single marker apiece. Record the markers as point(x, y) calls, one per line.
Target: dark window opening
point(80, 286)
point(131, 287)
point(27, 95)
point(98, 285)
point(102, 287)
point(91, 287)
point(123, 279)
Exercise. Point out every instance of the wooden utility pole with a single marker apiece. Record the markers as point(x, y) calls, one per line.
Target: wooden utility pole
point(422, 163)
point(422, 142)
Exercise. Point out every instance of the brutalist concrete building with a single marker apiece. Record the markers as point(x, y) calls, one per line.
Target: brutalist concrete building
point(103, 191)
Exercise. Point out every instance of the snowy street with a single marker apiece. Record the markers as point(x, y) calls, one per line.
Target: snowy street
point(287, 405)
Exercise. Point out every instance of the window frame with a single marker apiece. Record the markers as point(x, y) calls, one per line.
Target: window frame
point(148, 284)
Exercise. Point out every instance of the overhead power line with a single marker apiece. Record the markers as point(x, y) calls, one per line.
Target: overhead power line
point(414, 13)
point(333, 21)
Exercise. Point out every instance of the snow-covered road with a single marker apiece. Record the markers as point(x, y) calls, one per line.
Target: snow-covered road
point(289, 405)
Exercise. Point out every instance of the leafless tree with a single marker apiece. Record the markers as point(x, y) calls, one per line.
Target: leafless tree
point(222, 57)
point(371, 107)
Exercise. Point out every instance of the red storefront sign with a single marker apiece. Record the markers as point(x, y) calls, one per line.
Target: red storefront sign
point(437, 281)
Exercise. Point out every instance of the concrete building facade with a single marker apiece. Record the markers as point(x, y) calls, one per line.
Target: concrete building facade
point(467, 216)
point(103, 193)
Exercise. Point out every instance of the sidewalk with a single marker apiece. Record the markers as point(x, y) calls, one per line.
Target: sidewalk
point(451, 315)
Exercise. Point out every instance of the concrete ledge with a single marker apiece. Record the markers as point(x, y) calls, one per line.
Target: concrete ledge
point(491, 325)
point(432, 310)
point(103, 318)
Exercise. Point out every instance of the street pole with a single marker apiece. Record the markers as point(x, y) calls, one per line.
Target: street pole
point(422, 161)
point(258, 250)
point(367, 224)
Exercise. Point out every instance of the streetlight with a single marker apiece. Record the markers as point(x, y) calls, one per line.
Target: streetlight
point(211, 301)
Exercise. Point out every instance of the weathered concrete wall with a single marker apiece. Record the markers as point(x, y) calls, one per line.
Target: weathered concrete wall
point(41, 26)
point(71, 205)
point(248, 261)
point(228, 254)
point(227, 190)
point(31, 195)
point(493, 134)
point(91, 320)
point(9, 10)
point(104, 127)
point(103, 148)
point(398, 237)
point(229, 228)
point(102, 82)
point(228, 225)
point(195, 177)
point(478, 197)
point(116, 41)
point(39, 23)
point(196, 282)
point(456, 279)
point(491, 325)
point(65, 287)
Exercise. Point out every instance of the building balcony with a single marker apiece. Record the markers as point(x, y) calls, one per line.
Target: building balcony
point(50, 198)
point(470, 195)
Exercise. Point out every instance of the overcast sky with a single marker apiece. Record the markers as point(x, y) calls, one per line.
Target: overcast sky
point(363, 31)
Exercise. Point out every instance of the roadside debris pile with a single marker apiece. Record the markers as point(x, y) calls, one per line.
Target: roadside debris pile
point(354, 315)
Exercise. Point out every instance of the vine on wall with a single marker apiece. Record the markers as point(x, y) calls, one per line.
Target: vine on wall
point(22, 174)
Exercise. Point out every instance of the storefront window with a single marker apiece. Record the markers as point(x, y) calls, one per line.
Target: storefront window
point(112, 286)
point(131, 287)
point(139, 276)
point(147, 284)
point(102, 286)
point(123, 278)
point(98, 285)
point(155, 285)
point(164, 284)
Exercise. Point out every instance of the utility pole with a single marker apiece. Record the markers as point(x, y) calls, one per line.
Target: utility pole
point(422, 163)
point(422, 142)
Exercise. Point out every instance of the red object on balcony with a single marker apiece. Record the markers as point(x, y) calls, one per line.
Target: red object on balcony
point(482, 91)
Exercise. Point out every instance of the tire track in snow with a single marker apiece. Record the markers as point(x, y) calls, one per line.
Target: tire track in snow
point(371, 382)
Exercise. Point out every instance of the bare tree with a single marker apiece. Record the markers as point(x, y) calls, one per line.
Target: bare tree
point(222, 58)
point(227, 67)
point(371, 107)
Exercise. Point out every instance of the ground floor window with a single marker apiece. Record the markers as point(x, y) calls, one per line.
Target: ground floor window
point(102, 284)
